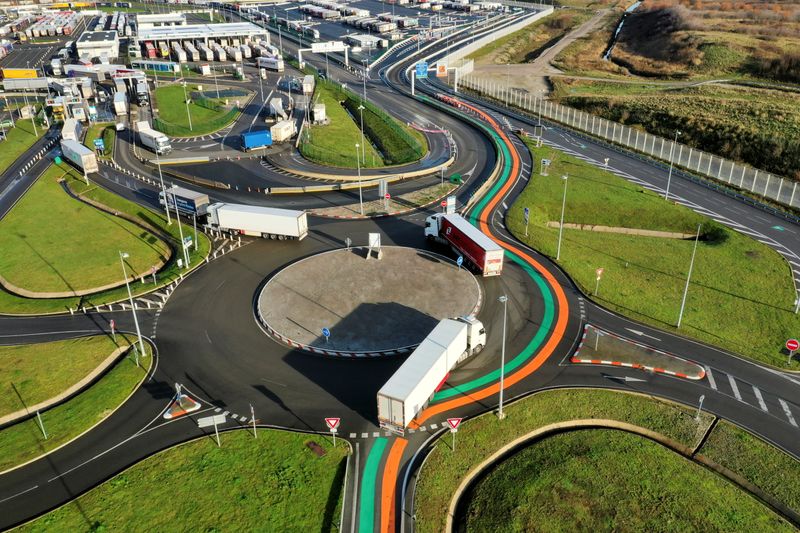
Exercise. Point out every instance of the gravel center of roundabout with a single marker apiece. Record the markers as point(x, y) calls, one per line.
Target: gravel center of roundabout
point(369, 305)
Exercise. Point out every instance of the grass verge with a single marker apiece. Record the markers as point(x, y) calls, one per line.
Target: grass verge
point(272, 483)
point(48, 244)
point(594, 480)
point(734, 276)
point(105, 131)
point(24, 441)
point(479, 438)
point(18, 140)
point(767, 467)
point(33, 373)
point(206, 117)
point(10, 303)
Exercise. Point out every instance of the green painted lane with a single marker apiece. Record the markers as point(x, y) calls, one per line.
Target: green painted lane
point(366, 513)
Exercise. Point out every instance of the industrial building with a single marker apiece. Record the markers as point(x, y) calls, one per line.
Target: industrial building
point(94, 44)
point(202, 32)
point(155, 20)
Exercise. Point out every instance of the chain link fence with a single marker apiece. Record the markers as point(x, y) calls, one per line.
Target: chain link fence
point(737, 175)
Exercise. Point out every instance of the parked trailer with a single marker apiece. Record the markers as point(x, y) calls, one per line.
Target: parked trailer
point(163, 49)
point(150, 50)
point(252, 140)
point(219, 52)
point(234, 53)
point(206, 52)
point(412, 386)
point(120, 103)
point(71, 130)
point(282, 131)
point(191, 52)
point(477, 249)
point(189, 202)
point(79, 155)
point(247, 53)
point(271, 63)
point(178, 53)
point(266, 222)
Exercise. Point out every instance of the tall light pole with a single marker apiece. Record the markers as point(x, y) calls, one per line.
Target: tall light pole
point(186, 101)
point(363, 144)
point(180, 228)
point(504, 300)
point(671, 161)
point(360, 200)
point(122, 257)
point(688, 277)
point(163, 188)
point(364, 78)
point(565, 177)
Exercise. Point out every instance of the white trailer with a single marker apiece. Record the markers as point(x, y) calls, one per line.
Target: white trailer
point(271, 63)
point(191, 52)
point(120, 103)
point(276, 108)
point(178, 53)
point(412, 386)
point(80, 156)
point(234, 52)
point(266, 222)
point(282, 131)
point(219, 52)
point(154, 140)
point(71, 130)
point(207, 53)
point(247, 53)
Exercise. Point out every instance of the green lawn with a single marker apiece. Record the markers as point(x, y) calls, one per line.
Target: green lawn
point(479, 438)
point(335, 143)
point(52, 242)
point(106, 131)
point(606, 480)
point(13, 304)
point(18, 139)
point(24, 441)
point(172, 112)
point(270, 483)
point(739, 279)
point(32, 373)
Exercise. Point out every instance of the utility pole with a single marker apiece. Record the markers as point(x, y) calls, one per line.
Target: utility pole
point(561, 225)
point(180, 229)
point(363, 144)
point(688, 277)
point(186, 101)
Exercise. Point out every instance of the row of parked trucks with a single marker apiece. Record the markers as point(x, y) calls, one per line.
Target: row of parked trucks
point(261, 52)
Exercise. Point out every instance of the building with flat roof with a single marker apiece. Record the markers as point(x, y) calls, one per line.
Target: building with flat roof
point(204, 32)
point(154, 20)
point(98, 43)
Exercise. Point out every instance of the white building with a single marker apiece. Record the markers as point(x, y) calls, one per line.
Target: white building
point(94, 44)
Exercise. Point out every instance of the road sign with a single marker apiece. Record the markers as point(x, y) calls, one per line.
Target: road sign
point(333, 423)
point(326, 333)
point(441, 70)
point(460, 261)
point(444, 203)
point(329, 46)
point(187, 242)
point(599, 272)
point(387, 195)
point(58, 160)
point(792, 345)
point(211, 421)
point(422, 70)
point(526, 213)
point(453, 423)
point(99, 144)
point(113, 325)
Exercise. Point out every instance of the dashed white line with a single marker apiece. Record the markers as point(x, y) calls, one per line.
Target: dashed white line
point(788, 412)
point(735, 388)
point(760, 399)
point(19, 493)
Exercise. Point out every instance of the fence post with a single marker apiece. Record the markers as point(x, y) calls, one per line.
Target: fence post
point(710, 158)
point(741, 180)
point(794, 190)
point(730, 175)
point(680, 151)
point(614, 132)
point(661, 153)
point(766, 187)
point(699, 161)
point(780, 188)
point(636, 142)
point(628, 142)
point(753, 187)
point(593, 117)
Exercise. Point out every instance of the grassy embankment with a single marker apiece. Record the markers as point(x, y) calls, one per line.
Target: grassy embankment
point(18, 139)
point(734, 276)
point(75, 243)
point(271, 483)
point(755, 43)
point(556, 483)
point(24, 441)
point(207, 114)
point(387, 141)
point(587, 491)
point(106, 131)
point(40, 237)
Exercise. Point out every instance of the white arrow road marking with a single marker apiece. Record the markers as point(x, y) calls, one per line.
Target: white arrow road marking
point(624, 378)
point(642, 334)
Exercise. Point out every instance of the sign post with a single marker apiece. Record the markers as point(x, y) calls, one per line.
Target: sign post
point(422, 70)
point(699, 408)
point(599, 273)
point(792, 345)
point(113, 325)
point(460, 261)
point(527, 214)
point(253, 419)
point(333, 426)
point(326, 333)
point(545, 164)
point(443, 203)
point(386, 198)
point(453, 423)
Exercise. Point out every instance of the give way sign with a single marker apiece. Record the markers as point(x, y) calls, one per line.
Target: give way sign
point(453, 423)
point(333, 423)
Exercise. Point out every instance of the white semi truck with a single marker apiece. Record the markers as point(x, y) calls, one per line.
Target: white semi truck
point(266, 222)
point(154, 140)
point(120, 103)
point(412, 386)
point(80, 156)
point(270, 63)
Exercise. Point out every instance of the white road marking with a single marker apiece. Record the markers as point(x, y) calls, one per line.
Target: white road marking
point(735, 388)
point(788, 412)
point(711, 380)
point(760, 399)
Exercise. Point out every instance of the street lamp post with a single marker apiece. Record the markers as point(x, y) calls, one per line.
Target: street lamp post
point(363, 144)
point(186, 101)
point(180, 229)
point(122, 257)
point(504, 300)
point(671, 162)
point(163, 188)
point(561, 225)
point(688, 277)
point(360, 199)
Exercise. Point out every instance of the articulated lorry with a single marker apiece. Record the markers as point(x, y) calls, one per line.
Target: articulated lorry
point(412, 386)
point(270, 63)
point(266, 222)
point(189, 202)
point(478, 250)
point(154, 140)
point(80, 156)
point(120, 103)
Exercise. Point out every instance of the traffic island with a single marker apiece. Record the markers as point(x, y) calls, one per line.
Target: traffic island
point(341, 303)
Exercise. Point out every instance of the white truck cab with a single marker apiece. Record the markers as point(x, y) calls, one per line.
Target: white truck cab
point(476, 337)
point(432, 227)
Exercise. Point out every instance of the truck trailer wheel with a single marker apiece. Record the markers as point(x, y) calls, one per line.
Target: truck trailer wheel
point(477, 349)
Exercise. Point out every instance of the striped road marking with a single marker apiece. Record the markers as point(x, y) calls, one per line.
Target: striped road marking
point(710, 376)
point(760, 399)
point(788, 412)
point(735, 388)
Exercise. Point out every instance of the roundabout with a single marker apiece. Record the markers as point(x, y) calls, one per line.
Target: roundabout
point(368, 306)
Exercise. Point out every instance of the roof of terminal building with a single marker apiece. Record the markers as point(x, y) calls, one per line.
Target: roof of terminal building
point(98, 37)
point(199, 31)
point(160, 17)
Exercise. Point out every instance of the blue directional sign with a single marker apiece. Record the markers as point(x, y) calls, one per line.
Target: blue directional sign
point(422, 70)
point(99, 144)
point(460, 261)
point(326, 332)
point(527, 213)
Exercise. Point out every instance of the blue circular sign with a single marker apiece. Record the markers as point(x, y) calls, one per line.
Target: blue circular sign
point(326, 332)
point(460, 260)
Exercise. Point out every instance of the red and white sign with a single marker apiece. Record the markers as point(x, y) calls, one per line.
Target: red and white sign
point(112, 324)
point(792, 345)
point(441, 70)
point(444, 203)
point(387, 195)
point(599, 272)
point(453, 423)
point(333, 423)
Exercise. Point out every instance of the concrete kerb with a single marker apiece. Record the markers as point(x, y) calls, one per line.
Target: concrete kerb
point(271, 332)
point(147, 375)
point(701, 373)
